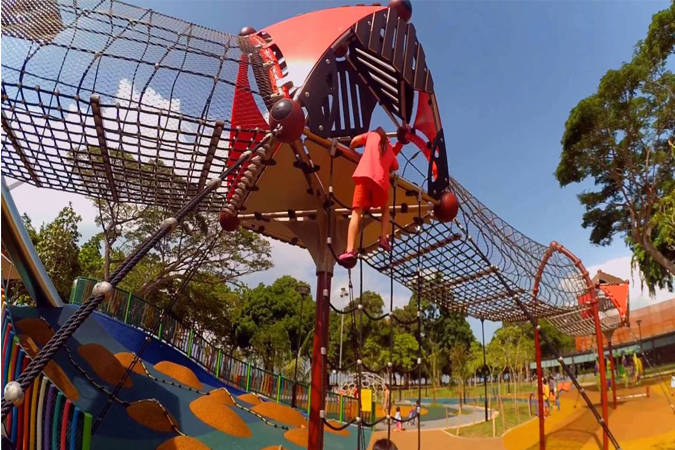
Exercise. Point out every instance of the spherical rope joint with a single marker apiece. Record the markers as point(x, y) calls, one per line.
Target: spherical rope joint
point(214, 183)
point(170, 223)
point(102, 288)
point(13, 393)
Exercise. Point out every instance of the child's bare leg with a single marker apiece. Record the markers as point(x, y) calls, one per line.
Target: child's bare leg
point(386, 217)
point(353, 230)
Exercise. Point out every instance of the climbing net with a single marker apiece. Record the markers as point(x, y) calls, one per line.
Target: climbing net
point(260, 151)
point(121, 103)
point(478, 263)
point(116, 102)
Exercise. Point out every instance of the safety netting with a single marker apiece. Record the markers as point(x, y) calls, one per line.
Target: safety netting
point(478, 264)
point(113, 101)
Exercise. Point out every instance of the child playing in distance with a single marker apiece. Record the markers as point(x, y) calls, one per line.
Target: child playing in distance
point(414, 413)
point(546, 397)
point(372, 187)
point(399, 420)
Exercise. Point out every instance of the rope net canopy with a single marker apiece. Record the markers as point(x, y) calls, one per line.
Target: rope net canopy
point(117, 102)
point(478, 263)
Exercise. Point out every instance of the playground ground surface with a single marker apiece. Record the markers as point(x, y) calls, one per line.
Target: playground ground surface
point(638, 424)
point(213, 424)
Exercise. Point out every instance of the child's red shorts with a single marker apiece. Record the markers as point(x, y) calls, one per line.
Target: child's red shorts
point(368, 194)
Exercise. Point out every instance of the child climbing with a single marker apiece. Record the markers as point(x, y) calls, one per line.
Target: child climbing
point(372, 187)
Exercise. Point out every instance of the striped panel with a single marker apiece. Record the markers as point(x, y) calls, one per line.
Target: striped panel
point(46, 420)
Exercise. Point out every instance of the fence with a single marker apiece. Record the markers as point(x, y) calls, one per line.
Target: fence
point(46, 419)
point(135, 311)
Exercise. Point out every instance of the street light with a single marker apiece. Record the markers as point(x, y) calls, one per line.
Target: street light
point(343, 294)
point(304, 291)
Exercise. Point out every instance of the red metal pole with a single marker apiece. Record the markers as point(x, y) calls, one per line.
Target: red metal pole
point(611, 367)
point(317, 397)
point(603, 374)
point(540, 391)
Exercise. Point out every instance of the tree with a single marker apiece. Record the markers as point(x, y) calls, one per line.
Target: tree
point(89, 258)
point(562, 342)
point(475, 364)
point(460, 356)
point(58, 249)
point(234, 254)
point(114, 218)
point(269, 325)
point(362, 336)
point(618, 137)
point(211, 308)
point(443, 329)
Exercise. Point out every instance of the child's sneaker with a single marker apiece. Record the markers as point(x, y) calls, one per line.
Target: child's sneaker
point(384, 244)
point(347, 259)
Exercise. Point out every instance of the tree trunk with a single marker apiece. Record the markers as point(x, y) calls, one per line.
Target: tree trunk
point(653, 251)
point(106, 260)
point(515, 399)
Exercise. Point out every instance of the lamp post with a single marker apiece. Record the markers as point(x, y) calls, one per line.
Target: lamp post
point(343, 294)
point(303, 290)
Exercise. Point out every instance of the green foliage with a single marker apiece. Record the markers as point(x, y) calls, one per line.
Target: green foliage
point(562, 342)
point(58, 249)
point(90, 259)
point(213, 308)
point(360, 330)
point(663, 238)
point(270, 326)
point(618, 138)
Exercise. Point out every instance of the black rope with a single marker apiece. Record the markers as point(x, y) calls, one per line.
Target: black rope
point(391, 306)
point(553, 349)
point(45, 355)
point(148, 339)
point(485, 371)
point(419, 320)
point(359, 344)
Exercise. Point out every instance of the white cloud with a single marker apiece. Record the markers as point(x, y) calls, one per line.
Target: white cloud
point(639, 298)
point(42, 206)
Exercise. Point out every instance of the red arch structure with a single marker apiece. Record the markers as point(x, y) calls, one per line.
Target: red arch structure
point(587, 316)
point(129, 105)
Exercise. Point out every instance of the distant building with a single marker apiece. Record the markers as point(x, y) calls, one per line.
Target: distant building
point(653, 325)
point(651, 331)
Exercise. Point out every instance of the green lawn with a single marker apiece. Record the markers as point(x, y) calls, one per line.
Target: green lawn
point(511, 419)
point(471, 391)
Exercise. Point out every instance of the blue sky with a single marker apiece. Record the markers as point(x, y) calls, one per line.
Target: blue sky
point(506, 76)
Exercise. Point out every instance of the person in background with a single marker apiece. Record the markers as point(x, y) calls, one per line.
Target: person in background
point(399, 420)
point(551, 383)
point(386, 405)
point(384, 444)
point(414, 413)
point(547, 397)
